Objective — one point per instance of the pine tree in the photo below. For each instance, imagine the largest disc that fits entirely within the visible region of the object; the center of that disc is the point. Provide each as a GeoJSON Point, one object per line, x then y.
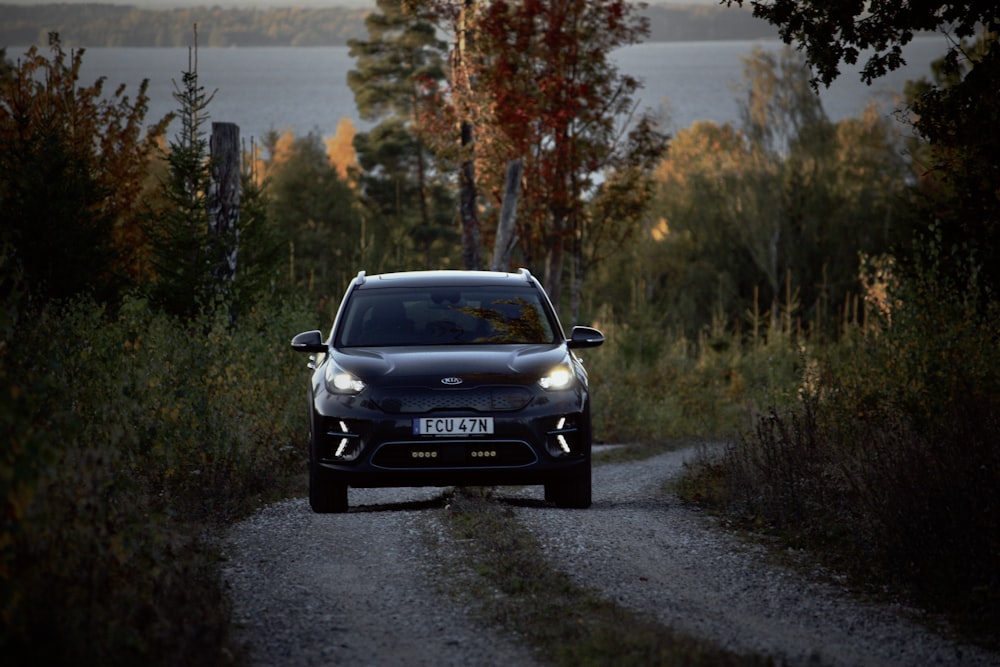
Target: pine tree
{"type": "Point", "coordinates": [315, 212]}
{"type": "Point", "coordinates": [399, 71]}
{"type": "Point", "coordinates": [183, 256]}
{"type": "Point", "coordinates": [186, 254]}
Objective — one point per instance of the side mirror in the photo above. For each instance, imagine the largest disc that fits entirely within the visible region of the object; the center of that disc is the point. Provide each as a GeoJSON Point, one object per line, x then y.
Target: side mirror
{"type": "Point", "coordinates": [585, 337]}
{"type": "Point", "coordinates": [309, 341]}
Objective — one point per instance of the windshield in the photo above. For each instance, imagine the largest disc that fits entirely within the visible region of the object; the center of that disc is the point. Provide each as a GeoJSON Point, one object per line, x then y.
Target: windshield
{"type": "Point", "coordinates": [444, 316]}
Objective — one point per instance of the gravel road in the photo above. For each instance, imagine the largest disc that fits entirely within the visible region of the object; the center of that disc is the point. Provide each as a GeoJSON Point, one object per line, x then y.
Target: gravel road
{"type": "Point", "coordinates": [361, 588]}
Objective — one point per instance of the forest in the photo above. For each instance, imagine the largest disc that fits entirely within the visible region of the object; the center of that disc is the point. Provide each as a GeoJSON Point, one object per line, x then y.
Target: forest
{"type": "Point", "coordinates": [105, 25]}
{"type": "Point", "coordinates": [820, 296]}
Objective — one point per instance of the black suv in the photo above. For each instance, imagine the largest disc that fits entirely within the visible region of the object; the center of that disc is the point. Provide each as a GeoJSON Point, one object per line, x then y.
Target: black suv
{"type": "Point", "coordinates": [448, 378]}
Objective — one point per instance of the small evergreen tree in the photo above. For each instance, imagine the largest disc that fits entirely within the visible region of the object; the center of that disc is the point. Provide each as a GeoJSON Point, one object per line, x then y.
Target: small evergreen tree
{"type": "Point", "coordinates": [182, 249]}
{"type": "Point", "coordinates": [185, 252]}
{"type": "Point", "coordinates": [261, 256]}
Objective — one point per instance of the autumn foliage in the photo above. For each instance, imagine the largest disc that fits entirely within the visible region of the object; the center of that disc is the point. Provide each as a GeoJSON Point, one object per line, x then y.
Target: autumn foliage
{"type": "Point", "coordinates": [73, 162]}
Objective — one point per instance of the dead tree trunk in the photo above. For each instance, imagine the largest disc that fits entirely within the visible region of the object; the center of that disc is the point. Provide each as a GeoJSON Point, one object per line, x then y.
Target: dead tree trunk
{"type": "Point", "coordinates": [468, 205]}
{"type": "Point", "coordinates": [224, 204]}
{"type": "Point", "coordinates": [224, 197]}
{"type": "Point", "coordinates": [468, 211]}
{"type": "Point", "coordinates": [506, 236]}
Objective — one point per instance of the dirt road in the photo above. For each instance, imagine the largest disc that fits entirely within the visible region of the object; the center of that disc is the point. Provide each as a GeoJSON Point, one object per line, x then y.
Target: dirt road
{"type": "Point", "coordinates": [362, 588]}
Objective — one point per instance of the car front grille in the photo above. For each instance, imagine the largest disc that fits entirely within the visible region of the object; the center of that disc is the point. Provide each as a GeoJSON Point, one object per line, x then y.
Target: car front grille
{"type": "Point", "coordinates": [465, 454]}
{"type": "Point", "coordinates": [417, 400]}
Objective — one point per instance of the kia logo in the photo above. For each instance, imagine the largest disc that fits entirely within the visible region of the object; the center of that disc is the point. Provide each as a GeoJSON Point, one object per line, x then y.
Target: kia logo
{"type": "Point", "coordinates": [451, 381]}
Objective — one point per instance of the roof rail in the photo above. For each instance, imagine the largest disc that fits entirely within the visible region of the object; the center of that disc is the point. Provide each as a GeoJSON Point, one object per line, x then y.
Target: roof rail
{"type": "Point", "coordinates": [525, 272]}
{"type": "Point", "coordinates": [360, 280]}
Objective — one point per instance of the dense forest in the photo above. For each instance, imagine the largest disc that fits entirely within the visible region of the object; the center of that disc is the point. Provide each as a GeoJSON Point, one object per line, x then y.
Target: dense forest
{"type": "Point", "coordinates": [820, 295]}
{"type": "Point", "coordinates": [121, 25]}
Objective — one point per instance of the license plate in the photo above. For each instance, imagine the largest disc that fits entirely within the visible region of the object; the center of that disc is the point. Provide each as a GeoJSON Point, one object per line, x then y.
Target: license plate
{"type": "Point", "coordinates": [453, 426]}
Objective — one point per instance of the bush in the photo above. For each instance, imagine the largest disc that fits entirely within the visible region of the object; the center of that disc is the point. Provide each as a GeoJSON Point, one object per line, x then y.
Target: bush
{"type": "Point", "coordinates": [649, 384]}
{"type": "Point", "coordinates": [131, 436]}
{"type": "Point", "coordinates": [888, 468]}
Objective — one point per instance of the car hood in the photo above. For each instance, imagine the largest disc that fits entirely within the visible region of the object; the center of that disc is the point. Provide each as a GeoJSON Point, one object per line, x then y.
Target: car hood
{"type": "Point", "coordinates": [472, 364]}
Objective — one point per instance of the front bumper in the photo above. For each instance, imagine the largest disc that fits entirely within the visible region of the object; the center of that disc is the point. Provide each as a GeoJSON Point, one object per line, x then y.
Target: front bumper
{"type": "Point", "coordinates": [356, 443]}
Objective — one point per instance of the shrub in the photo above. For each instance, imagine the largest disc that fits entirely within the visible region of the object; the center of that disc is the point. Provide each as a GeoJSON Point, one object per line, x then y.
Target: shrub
{"type": "Point", "coordinates": [649, 384]}
{"type": "Point", "coordinates": [889, 468]}
{"type": "Point", "coordinates": [131, 436]}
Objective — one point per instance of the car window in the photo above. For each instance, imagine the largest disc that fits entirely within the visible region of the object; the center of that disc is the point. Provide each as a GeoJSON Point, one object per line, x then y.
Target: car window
{"type": "Point", "coordinates": [444, 316]}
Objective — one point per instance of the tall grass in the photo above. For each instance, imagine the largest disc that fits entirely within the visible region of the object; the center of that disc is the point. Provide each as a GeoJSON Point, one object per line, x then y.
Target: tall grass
{"type": "Point", "coordinates": [131, 434]}
{"type": "Point", "coordinates": [652, 384]}
{"type": "Point", "coordinates": [888, 465]}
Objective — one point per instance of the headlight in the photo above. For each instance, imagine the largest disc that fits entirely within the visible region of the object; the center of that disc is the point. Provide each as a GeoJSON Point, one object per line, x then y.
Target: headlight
{"type": "Point", "coordinates": [560, 377]}
{"type": "Point", "coordinates": [339, 381]}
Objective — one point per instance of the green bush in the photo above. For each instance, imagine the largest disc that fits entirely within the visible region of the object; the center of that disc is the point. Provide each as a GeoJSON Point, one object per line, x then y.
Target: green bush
{"type": "Point", "coordinates": [649, 384]}
{"type": "Point", "coordinates": [131, 435]}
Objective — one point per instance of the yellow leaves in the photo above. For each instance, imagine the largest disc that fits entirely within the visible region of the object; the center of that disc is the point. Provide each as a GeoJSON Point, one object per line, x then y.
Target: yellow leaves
{"type": "Point", "coordinates": [283, 148]}
{"type": "Point", "coordinates": [703, 150]}
{"type": "Point", "coordinates": [660, 230]}
{"type": "Point", "coordinates": [340, 148]}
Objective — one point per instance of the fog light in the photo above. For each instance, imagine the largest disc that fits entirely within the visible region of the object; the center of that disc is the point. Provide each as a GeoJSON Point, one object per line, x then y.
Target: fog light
{"type": "Point", "coordinates": [348, 446]}
{"type": "Point", "coordinates": [558, 443]}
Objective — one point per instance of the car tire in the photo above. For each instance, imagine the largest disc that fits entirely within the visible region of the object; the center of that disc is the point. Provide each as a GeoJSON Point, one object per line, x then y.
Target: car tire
{"type": "Point", "coordinates": [575, 491]}
{"type": "Point", "coordinates": [572, 492]}
{"type": "Point", "coordinates": [325, 495]}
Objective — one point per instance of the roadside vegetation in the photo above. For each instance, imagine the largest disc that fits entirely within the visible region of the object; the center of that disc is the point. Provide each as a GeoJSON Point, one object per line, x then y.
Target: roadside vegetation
{"type": "Point", "coordinates": [884, 467]}
{"type": "Point", "coordinates": [820, 295]}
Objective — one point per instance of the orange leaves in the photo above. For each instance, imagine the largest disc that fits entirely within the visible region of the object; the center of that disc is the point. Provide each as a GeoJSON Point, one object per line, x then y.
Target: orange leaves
{"type": "Point", "coordinates": [281, 151]}
{"type": "Point", "coordinates": [340, 148]}
{"type": "Point", "coordinates": [76, 158]}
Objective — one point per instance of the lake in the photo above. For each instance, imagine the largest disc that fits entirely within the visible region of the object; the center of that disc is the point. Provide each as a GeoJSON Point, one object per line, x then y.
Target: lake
{"type": "Point", "coordinates": [305, 89]}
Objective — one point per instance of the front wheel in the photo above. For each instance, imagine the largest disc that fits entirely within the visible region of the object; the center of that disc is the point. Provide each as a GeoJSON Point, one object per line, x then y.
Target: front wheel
{"type": "Point", "coordinates": [573, 491]}
{"type": "Point", "coordinates": [325, 495]}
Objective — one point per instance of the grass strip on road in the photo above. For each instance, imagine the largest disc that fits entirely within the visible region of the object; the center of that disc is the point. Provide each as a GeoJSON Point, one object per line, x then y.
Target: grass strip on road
{"type": "Point", "coordinates": [513, 585]}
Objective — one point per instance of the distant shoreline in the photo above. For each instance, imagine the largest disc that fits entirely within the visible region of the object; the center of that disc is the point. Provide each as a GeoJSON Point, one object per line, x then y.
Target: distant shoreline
{"type": "Point", "coordinates": [104, 25]}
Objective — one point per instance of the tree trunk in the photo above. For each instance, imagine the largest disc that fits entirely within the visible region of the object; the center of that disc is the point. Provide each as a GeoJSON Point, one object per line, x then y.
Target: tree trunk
{"type": "Point", "coordinates": [467, 174]}
{"type": "Point", "coordinates": [554, 259]}
{"type": "Point", "coordinates": [425, 217]}
{"type": "Point", "coordinates": [224, 202]}
{"type": "Point", "coordinates": [469, 213]}
{"type": "Point", "coordinates": [506, 236]}
{"type": "Point", "coordinates": [577, 281]}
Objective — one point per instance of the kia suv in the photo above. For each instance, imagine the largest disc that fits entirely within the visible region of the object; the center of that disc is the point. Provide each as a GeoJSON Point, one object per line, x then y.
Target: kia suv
{"type": "Point", "coordinates": [448, 378]}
